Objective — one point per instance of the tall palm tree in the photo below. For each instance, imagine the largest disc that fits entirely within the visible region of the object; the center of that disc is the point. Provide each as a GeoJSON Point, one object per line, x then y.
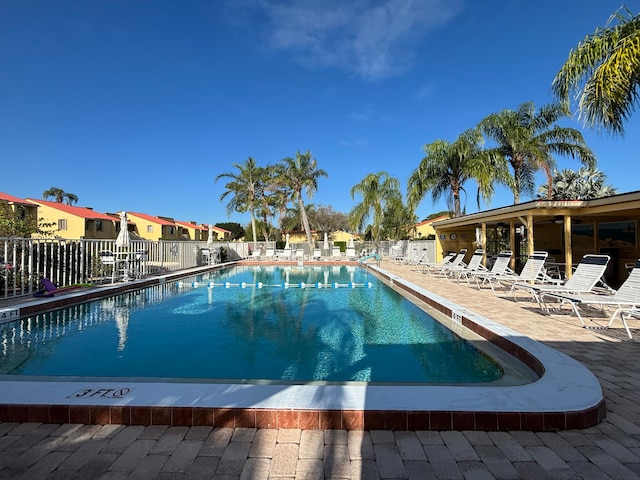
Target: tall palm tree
{"type": "Point", "coordinates": [604, 70]}
{"type": "Point", "coordinates": [376, 190]}
{"type": "Point", "coordinates": [300, 175]}
{"type": "Point", "coordinates": [584, 184]}
{"type": "Point", "coordinates": [527, 138]}
{"type": "Point", "coordinates": [246, 189]}
{"type": "Point", "coordinates": [447, 166]}
{"type": "Point", "coordinates": [60, 195]}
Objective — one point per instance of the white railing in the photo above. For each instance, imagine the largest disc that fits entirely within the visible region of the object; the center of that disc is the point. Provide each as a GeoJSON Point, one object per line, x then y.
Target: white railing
{"type": "Point", "coordinates": [25, 261]}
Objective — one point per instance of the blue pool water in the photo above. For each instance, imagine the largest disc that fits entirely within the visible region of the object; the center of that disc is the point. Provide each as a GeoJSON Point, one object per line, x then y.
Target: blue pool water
{"type": "Point", "coordinates": [297, 324]}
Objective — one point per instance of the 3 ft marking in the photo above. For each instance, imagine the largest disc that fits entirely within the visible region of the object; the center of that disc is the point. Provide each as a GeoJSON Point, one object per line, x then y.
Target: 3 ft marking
{"type": "Point", "coordinates": [9, 313]}
{"type": "Point", "coordinates": [456, 317]}
{"type": "Point", "coordinates": [101, 393]}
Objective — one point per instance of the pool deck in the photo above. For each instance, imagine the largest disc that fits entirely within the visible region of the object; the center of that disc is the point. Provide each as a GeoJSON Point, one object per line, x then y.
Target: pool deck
{"type": "Point", "coordinates": [610, 449]}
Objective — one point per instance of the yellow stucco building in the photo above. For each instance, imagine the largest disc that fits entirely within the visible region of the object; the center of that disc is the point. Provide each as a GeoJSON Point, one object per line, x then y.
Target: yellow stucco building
{"type": "Point", "coordinates": [149, 227]}
{"type": "Point", "coordinates": [20, 208]}
{"type": "Point", "coordinates": [192, 231]}
{"type": "Point", "coordinates": [75, 222]}
{"type": "Point", "coordinates": [425, 230]}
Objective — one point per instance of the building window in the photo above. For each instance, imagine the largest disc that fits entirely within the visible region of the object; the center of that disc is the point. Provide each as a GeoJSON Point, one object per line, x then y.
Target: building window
{"type": "Point", "coordinates": [98, 225]}
{"type": "Point", "coordinates": [62, 224]}
{"type": "Point", "coordinates": [149, 228]}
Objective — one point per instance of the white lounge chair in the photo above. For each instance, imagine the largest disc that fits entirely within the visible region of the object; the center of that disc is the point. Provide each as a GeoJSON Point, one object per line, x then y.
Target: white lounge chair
{"type": "Point", "coordinates": [424, 265]}
{"type": "Point", "coordinates": [532, 271]}
{"type": "Point", "coordinates": [626, 300]}
{"type": "Point", "coordinates": [474, 266]}
{"type": "Point", "coordinates": [418, 258]}
{"type": "Point", "coordinates": [587, 275]}
{"type": "Point", "coordinates": [456, 261]}
{"type": "Point", "coordinates": [350, 254]}
{"type": "Point", "coordinates": [335, 253]}
{"type": "Point", "coordinates": [500, 267]}
{"type": "Point", "coordinates": [270, 254]}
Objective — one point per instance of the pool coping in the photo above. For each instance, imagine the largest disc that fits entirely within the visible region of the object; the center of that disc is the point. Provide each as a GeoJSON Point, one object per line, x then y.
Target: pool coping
{"type": "Point", "coordinates": [566, 396]}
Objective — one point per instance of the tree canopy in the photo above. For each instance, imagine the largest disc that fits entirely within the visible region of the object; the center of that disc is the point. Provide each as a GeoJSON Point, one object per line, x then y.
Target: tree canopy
{"type": "Point", "coordinates": [59, 195]}
{"type": "Point", "coordinates": [603, 71]}
{"type": "Point", "coordinates": [528, 138]}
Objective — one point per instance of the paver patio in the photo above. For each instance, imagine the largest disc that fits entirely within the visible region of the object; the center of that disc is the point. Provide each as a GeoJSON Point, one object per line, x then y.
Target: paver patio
{"type": "Point", "coordinates": [608, 450]}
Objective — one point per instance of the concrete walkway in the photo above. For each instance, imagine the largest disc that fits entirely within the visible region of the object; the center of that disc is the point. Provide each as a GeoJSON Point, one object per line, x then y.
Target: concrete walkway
{"type": "Point", "coordinates": [609, 450]}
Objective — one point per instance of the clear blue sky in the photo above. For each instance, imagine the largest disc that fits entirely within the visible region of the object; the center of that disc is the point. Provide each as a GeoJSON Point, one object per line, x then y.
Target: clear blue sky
{"type": "Point", "coordinates": [139, 105]}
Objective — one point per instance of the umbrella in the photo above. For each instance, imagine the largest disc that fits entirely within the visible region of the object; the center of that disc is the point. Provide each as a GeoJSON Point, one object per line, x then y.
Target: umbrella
{"type": "Point", "coordinates": [123, 239]}
{"type": "Point", "coordinates": [351, 244]}
{"type": "Point", "coordinates": [478, 237]}
{"type": "Point", "coordinates": [286, 245]}
{"type": "Point", "coordinates": [325, 246]}
{"type": "Point", "coordinates": [210, 237]}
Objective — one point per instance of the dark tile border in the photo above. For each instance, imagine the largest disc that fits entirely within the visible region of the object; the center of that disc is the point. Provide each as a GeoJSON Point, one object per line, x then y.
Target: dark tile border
{"type": "Point", "coordinates": [304, 419]}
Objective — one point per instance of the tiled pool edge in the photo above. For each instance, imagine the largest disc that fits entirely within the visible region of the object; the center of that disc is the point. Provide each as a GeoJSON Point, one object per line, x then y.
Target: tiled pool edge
{"type": "Point", "coordinates": [406, 415]}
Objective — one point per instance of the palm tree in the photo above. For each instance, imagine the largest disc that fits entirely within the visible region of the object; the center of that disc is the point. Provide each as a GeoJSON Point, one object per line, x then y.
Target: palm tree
{"type": "Point", "coordinates": [398, 219]}
{"type": "Point", "coordinates": [584, 184]}
{"type": "Point", "coordinates": [604, 71]}
{"type": "Point", "coordinates": [297, 176]}
{"type": "Point", "coordinates": [60, 195]}
{"type": "Point", "coordinates": [246, 188]}
{"type": "Point", "coordinates": [376, 190]}
{"type": "Point", "coordinates": [448, 166]}
{"type": "Point", "coordinates": [527, 138]}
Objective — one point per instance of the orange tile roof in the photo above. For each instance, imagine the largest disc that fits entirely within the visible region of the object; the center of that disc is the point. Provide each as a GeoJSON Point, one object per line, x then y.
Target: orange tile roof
{"type": "Point", "coordinates": [10, 198]}
{"type": "Point", "coordinates": [441, 217]}
{"type": "Point", "coordinates": [81, 212]}
{"type": "Point", "coordinates": [191, 225]}
{"type": "Point", "coordinates": [151, 218]}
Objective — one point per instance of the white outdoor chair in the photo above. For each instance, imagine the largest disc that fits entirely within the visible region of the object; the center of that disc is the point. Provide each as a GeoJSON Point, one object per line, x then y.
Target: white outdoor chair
{"type": "Point", "coordinates": [107, 264]}
{"type": "Point", "coordinates": [500, 267]}
{"type": "Point", "coordinates": [588, 274]}
{"type": "Point", "coordinates": [626, 300]}
{"type": "Point", "coordinates": [456, 261]}
{"type": "Point", "coordinates": [532, 271]}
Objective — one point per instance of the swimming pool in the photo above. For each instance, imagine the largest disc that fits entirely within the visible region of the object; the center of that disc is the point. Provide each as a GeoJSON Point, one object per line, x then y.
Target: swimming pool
{"type": "Point", "coordinates": [253, 324]}
{"type": "Point", "coordinates": [566, 395]}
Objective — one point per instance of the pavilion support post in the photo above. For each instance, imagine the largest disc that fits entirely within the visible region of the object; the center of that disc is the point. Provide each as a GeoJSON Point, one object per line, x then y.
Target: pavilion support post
{"type": "Point", "coordinates": [512, 244]}
{"type": "Point", "coordinates": [484, 241]}
{"type": "Point", "coordinates": [530, 238]}
{"type": "Point", "coordinates": [568, 254]}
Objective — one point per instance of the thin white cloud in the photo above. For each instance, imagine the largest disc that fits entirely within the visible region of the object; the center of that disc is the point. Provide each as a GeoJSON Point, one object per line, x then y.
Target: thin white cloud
{"type": "Point", "coordinates": [355, 143]}
{"type": "Point", "coordinates": [360, 116]}
{"type": "Point", "coordinates": [425, 92]}
{"type": "Point", "coordinates": [363, 115]}
{"type": "Point", "coordinates": [368, 38]}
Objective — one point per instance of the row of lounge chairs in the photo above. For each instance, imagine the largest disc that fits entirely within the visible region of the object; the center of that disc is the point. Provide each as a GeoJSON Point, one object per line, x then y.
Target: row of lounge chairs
{"type": "Point", "coordinates": [584, 289]}
{"type": "Point", "coordinates": [270, 254]}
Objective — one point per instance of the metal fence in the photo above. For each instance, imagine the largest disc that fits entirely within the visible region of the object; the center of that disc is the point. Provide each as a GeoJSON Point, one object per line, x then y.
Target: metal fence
{"type": "Point", "coordinates": [25, 261]}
